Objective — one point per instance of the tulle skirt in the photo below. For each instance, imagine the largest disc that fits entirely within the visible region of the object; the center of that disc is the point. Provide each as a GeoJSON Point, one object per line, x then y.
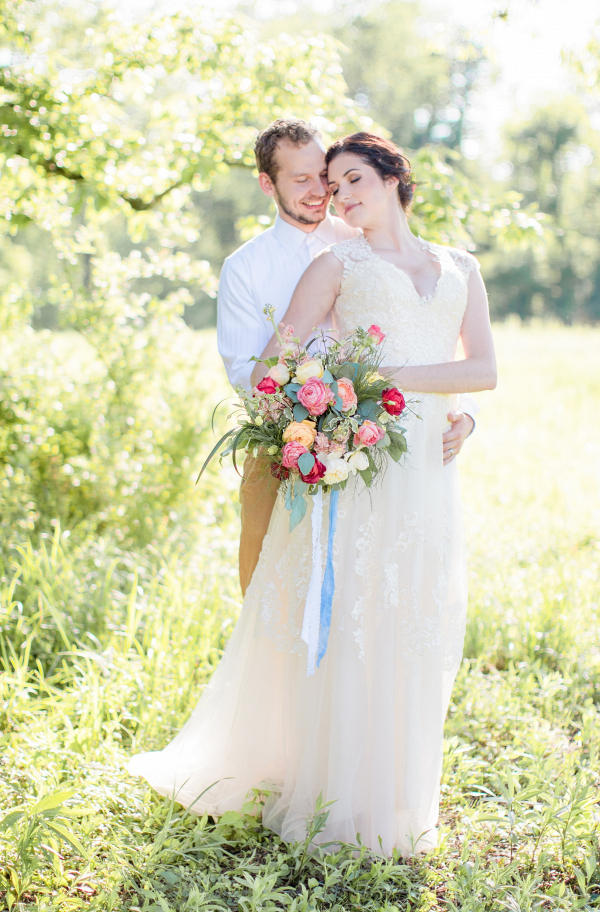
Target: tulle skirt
{"type": "Point", "coordinates": [365, 732]}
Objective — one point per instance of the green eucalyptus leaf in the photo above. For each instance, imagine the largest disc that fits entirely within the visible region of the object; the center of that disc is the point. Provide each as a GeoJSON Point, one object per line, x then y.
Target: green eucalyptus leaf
{"type": "Point", "coordinates": [306, 462]}
{"type": "Point", "coordinates": [298, 511]}
{"type": "Point", "coordinates": [349, 370]}
{"type": "Point", "coordinates": [300, 412]}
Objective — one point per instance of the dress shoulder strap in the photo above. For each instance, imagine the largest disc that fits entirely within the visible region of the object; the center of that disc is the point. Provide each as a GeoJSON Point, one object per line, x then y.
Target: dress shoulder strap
{"type": "Point", "coordinates": [352, 251]}
{"type": "Point", "coordinates": [463, 260]}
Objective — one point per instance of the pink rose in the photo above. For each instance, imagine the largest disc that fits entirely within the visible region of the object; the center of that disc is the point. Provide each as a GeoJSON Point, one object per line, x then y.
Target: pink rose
{"type": "Point", "coordinates": [291, 453]}
{"type": "Point", "coordinates": [375, 333]}
{"type": "Point", "coordinates": [267, 385]}
{"type": "Point", "coordinates": [368, 434]}
{"type": "Point", "coordinates": [347, 394]}
{"type": "Point", "coordinates": [315, 396]}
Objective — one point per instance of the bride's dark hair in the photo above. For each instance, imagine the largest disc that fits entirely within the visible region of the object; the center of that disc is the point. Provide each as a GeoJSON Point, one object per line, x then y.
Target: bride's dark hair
{"type": "Point", "coordinates": [383, 156]}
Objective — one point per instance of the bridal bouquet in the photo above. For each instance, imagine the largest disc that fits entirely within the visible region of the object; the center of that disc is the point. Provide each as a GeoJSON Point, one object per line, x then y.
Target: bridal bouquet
{"type": "Point", "coordinates": [320, 416]}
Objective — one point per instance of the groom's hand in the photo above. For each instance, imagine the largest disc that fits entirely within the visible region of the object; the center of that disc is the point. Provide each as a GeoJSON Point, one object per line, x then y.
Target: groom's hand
{"type": "Point", "coordinates": [461, 426]}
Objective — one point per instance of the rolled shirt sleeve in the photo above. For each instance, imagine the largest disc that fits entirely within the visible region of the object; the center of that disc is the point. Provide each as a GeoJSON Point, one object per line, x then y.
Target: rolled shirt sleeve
{"type": "Point", "coordinates": [468, 404]}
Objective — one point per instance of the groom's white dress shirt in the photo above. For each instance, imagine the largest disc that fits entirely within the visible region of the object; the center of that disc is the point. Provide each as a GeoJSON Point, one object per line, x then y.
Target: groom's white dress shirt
{"type": "Point", "coordinates": [266, 270]}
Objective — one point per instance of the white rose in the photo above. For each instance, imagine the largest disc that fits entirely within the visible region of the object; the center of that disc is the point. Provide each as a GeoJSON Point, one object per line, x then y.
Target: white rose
{"type": "Point", "coordinates": [279, 373]}
{"type": "Point", "coordinates": [358, 461]}
{"type": "Point", "coordinates": [310, 369]}
{"type": "Point", "coordinates": [337, 470]}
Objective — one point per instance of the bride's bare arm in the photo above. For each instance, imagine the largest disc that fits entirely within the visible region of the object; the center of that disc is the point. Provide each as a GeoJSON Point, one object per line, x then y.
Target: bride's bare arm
{"type": "Point", "coordinates": [478, 369]}
{"type": "Point", "coordinates": [312, 300]}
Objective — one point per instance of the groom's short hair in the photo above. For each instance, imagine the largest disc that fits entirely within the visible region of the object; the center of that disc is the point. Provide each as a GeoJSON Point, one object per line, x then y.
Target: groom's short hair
{"type": "Point", "coordinates": [292, 130]}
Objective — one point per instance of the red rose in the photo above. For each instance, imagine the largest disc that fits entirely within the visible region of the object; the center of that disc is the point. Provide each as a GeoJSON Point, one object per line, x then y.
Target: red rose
{"type": "Point", "coordinates": [279, 471]}
{"type": "Point", "coordinates": [315, 474]}
{"type": "Point", "coordinates": [267, 385]}
{"type": "Point", "coordinates": [393, 401]}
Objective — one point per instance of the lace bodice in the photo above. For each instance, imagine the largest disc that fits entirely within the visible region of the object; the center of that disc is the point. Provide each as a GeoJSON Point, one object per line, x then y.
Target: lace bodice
{"type": "Point", "coordinates": [419, 330]}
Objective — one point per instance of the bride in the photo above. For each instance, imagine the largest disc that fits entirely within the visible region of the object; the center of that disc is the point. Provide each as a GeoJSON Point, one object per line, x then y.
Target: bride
{"type": "Point", "coordinates": [366, 730]}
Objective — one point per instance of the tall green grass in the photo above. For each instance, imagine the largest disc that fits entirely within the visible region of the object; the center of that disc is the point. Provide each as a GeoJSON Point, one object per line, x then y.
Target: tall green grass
{"type": "Point", "coordinates": [105, 650]}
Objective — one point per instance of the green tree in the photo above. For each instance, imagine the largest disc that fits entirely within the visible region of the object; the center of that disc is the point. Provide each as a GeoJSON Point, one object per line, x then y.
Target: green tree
{"type": "Point", "coordinates": [552, 160]}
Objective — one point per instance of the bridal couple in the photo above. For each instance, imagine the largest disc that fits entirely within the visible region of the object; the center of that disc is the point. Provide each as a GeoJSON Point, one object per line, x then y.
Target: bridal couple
{"type": "Point", "coordinates": [366, 730]}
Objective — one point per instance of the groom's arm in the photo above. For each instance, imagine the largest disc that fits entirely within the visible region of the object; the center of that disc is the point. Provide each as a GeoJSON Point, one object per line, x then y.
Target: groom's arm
{"type": "Point", "coordinates": [241, 330]}
{"type": "Point", "coordinates": [468, 405]}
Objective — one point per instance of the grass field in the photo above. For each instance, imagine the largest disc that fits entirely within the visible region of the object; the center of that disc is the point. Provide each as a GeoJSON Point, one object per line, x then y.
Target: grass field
{"type": "Point", "coordinates": [521, 799]}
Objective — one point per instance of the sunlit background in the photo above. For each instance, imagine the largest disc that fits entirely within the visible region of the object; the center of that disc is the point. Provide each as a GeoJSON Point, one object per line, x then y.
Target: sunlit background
{"type": "Point", "coordinates": [126, 177]}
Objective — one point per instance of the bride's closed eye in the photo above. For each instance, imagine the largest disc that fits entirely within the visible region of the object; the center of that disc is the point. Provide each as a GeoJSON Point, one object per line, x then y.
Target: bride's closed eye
{"type": "Point", "coordinates": [352, 181]}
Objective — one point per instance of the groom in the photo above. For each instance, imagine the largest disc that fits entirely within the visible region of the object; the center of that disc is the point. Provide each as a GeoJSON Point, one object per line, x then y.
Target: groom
{"type": "Point", "coordinates": [290, 157]}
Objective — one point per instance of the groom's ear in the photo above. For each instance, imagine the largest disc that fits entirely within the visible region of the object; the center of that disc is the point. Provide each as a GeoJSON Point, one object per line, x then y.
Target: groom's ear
{"type": "Point", "coordinates": [266, 184]}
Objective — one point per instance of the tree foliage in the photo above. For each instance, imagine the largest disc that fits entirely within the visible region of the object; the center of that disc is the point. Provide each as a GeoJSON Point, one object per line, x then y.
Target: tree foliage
{"type": "Point", "coordinates": [552, 159]}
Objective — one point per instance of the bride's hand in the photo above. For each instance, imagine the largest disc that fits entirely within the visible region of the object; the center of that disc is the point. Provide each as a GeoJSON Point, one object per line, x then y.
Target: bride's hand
{"type": "Point", "coordinates": [461, 426]}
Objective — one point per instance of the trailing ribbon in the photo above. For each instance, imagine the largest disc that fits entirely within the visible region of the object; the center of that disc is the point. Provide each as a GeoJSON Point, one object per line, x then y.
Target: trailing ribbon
{"type": "Point", "coordinates": [310, 623]}
{"type": "Point", "coordinates": [328, 580]}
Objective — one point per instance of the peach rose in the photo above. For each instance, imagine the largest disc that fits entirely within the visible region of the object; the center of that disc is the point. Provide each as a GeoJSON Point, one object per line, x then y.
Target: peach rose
{"type": "Point", "coordinates": [279, 373]}
{"type": "Point", "coordinates": [368, 434]}
{"type": "Point", "coordinates": [291, 453]}
{"type": "Point", "coordinates": [315, 396]}
{"type": "Point", "coordinates": [347, 394]}
{"type": "Point", "coordinates": [303, 432]}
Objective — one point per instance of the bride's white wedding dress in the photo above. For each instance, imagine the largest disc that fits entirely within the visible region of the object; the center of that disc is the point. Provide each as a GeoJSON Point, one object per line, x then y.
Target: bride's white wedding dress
{"type": "Point", "coordinates": [366, 729]}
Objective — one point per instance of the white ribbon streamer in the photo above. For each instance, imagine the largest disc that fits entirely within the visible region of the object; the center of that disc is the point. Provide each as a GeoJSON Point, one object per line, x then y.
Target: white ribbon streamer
{"type": "Point", "coordinates": [312, 608]}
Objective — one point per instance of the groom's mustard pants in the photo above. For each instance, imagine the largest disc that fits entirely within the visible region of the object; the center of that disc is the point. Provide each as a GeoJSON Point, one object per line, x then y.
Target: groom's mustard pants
{"type": "Point", "coordinates": [258, 493]}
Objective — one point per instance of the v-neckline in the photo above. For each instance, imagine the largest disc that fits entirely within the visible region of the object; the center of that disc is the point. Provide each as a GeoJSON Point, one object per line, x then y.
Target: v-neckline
{"type": "Point", "coordinates": [423, 299]}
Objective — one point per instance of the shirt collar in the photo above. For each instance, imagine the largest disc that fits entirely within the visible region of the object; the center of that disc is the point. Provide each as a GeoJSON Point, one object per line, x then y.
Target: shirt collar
{"type": "Point", "coordinates": [292, 238]}
{"type": "Point", "coordinates": [325, 231]}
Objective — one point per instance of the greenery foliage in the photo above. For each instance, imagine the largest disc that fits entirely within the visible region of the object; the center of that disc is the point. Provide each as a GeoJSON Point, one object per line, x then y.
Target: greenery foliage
{"type": "Point", "coordinates": [104, 650]}
{"type": "Point", "coordinates": [118, 578]}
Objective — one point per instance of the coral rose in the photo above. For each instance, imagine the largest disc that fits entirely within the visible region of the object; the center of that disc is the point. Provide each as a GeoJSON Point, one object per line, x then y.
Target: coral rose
{"type": "Point", "coordinates": [368, 434]}
{"type": "Point", "coordinates": [315, 396]}
{"type": "Point", "coordinates": [393, 401]}
{"type": "Point", "coordinates": [315, 474]}
{"type": "Point", "coordinates": [291, 453]}
{"type": "Point", "coordinates": [303, 432]}
{"type": "Point", "coordinates": [279, 373]}
{"type": "Point", "coordinates": [267, 385]}
{"type": "Point", "coordinates": [312, 368]}
{"type": "Point", "coordinates": [347, 394]}
{"type": "Point", "coordinates": [376, 334]}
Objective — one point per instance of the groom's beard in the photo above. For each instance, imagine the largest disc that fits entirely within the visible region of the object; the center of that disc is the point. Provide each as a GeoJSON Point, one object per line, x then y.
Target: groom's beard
{"type": "Point", "coordinates": [301, 217]}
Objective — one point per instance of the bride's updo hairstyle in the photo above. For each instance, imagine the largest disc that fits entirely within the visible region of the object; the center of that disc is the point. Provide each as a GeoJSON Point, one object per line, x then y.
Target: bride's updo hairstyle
{"type": "Point", "coordinates": [383, 156]}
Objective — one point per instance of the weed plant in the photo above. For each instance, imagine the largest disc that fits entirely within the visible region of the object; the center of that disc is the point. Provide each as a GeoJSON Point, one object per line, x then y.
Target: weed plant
{"type": "Point", "coordinates": [106, 646]}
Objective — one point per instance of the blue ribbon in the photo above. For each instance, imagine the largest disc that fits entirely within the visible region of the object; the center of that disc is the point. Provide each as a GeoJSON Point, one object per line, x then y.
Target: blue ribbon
{"type": "Point", "coordinates": [328, 587]}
